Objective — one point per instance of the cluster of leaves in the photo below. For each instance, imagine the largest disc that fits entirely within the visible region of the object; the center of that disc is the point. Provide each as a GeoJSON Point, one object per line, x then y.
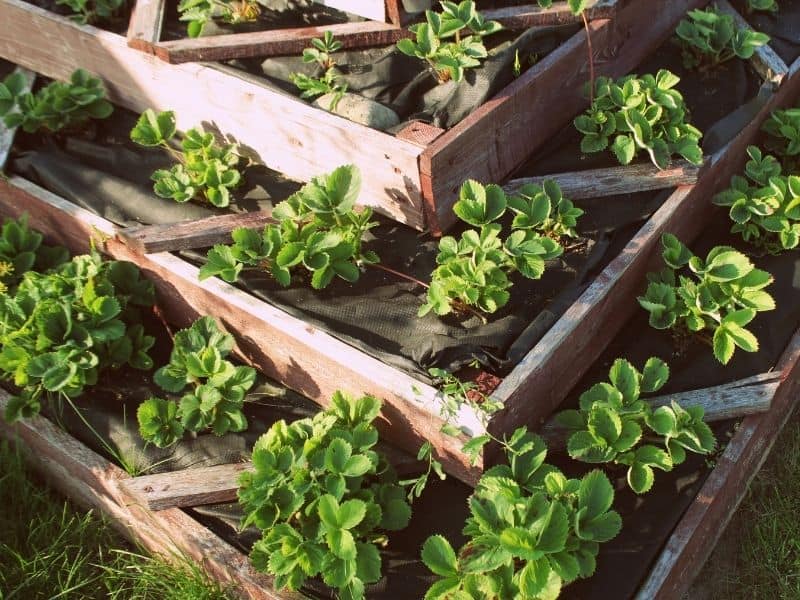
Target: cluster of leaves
{"type": "Point", "coordinates": [457, 394]}
{"type": "Point", "coordinates": [783, 128]}
{"type": "Point", "coordinates": [762, 5]}
{"type": "Point", "coordinates": [327, 82]}
{"type": "Point", "coordinates": [213, 388]}
{"type": "Point", "coordinates": [633, 114]}
{"type": "Point", "coordinates": [611, 423]}
{"type": "Point", "coordinates": [92, 11]}
{"type": "Point", "coordinates": [317, 228]}
{"type": "Point", "coordinates": [323, 498]}
{"type": "Point", "coordinates": [199, 12]}
{"type": "Point", "coordinates": [205, 169]}
{"type": "Point", "coordinates": [449, 59]}
{"type": "Point", "coordinates": [722, 293]}
{"type": "Point", "coordinates": [575, 6]}
{"type": "Point", "coordinates": [22, 250]}
{"type": "Point", "coordinates": [474, 270]}
{"type": "Point", "coordinates": [62, 328]}
{"type": "Point", "coordinates": [54, 107]}
{"type": "Point", "coordinates": [765, 212]}
{"type": "Point", "coordinates": [710, 37]}
{"type": "Point", "coordinates": [531, 530]}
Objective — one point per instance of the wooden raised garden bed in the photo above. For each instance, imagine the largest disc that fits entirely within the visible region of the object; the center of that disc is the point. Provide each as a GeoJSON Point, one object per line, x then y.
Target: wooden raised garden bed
{"type": "Point", "coordinates": [412, 177]}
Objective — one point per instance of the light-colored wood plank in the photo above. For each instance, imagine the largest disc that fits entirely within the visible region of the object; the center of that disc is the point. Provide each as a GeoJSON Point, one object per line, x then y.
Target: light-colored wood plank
{"type": "Point", "coordinates": [93, 482]}
{"type": "Point", "coordinates": [765, 60]}
{"type": "Point", "coordinates": [276, 42]}
{"type": "Point", "coordinates": [524, 16]}
{"type": "Point", "coordinates": [374, 10]}
{"type": "Point", "coordinates": [144, 28]}
{"type": "Point", "coordinates": [283, 132]}
{"type": "Point", "coordinates": [284, 347]}
{"type": "Point", "coordinates": [7, 133]}
{"type": "Point", "coordinates": [595, 183]}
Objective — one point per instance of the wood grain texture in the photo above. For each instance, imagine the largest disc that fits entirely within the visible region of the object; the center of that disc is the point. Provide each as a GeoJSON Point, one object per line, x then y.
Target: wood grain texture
{"type": "Point", "coordinates": [277, 42]}
{"type": "Point", "coordinates": [188, 235]}
{"type": "Point", "coordinates": [532, 15]}
{"type": "Point", "coordinates": [144, 29]}
{"type": "Point", "coordinates": [7, 133]}
{"type": "Point", "coordinates": [518, 120]}
{"type": "Point", "coordinates": [93, 482]}
{"type": "Point", "coordinates": [765, 61]}
{"type": "Point", "coordinates": [419, 133]}
{"type": "Point", "coordinates": [559, 359]}
{"type": "Point", "coordinates": [595, 183]}
{"type": "Point", "coordinates": [284, 347]}
{"type": "Point", "coordinates": [282, 132]}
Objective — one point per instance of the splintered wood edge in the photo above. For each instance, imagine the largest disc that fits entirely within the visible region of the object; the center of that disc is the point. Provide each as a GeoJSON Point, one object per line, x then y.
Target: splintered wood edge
{"type": "Point", "coordinates": [92, 481]}
{"type": "Point", "coordinates": [533, 15]}
{"type": "Point", "coordinates": [765, 60]}
{"type": "Point", "coordinates": [144, 28]}
{"type": "Point", "coordinates": [188, 235]}
{"type": "Point", "coordinates": [7, 133]}
{"type": "Point", "coordinates": [612, 181]}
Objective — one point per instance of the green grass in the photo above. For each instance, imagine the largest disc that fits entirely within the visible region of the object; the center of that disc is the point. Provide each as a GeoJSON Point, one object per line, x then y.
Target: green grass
{"type": "Point", "coordinates": [758, 556]}
{"type": "Point", "coordinates": [49, 549]}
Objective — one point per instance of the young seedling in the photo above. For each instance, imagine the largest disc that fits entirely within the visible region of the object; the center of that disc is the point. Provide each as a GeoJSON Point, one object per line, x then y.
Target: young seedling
{"type": "Point", "coordinates": [318, 229]}
{"type": "Point", "coordinates": [56, 106]}
{"type": "Point", "coordinates": [213, 388]}
{"type": "Point", "coordinates": [722, 293]}
{"type": "Point", "coordinates": [633, 114]}
{"type": "Point", "coordinates": [205, 170]}
{"type": "Point", "coordinates": [448, 60]}
{"type": "Point", "coordinates": [93, 11]}
{"type": "Point", "coordinates": [473, 270]}
{"type": "Point", "coordinates": [531, 530]}
{"type": "Point", "coordinates": [783, 129]}
{"type": "Point", "coordinates": [710, 37]}
{"type": "Point", "coordinates": [327, 82]}
{"type": "Point", "coordinates": [323, 498]}
{"type": "Point", "coordinates": [199, 12]}
{"type": "Point", "coordinates": [764, 205]}
{"type": "Point", "coordinates": [613, 423]}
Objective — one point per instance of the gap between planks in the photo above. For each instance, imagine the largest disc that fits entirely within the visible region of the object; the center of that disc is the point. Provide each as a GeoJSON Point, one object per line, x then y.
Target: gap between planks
{"type": "Point", "coordinates": [211, 485]}
{"type": "Point", "coordinates": [7, 133]}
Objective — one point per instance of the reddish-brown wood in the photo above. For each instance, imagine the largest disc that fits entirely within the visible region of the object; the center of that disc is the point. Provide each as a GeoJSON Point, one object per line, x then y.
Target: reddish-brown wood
{"type": "Point", "coordinates": [144, 28]}
{"type": "Point", "coordinates": [419, 133]}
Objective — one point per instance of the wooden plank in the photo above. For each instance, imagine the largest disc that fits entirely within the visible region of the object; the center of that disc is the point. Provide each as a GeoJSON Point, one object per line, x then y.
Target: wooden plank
{"type": "Point", "coordinates": [311, 141]}
{"type": "Point", "coordinates": [93, 482]}
{"type": "Point", "coordinates": [553, 367]}
{"type": "Point", "coordinates": [539, 103]}
{"type": "Point", "coordinates": [532, 15]}
{"type": "Point", "coordinates": [369, 9]}
{"type": "Point", "coordinates": [144, 29]}
{"type": "Point", "coordinates": [765, 61]}
{"type": "Point", "coordinates": [276, 42]}
{"type": "Point", "coordinates": [595, 183]}
{"type": "Point", "coordinates": [7, 133]}
{"type": "Point", "coordinates": [419, 133]}
{"type": "Point", "coordinates": [191, 234]}
{"type": "Point", "coordinates": [705, 520]}
{"type": "Point", "coordinates": [284, 347]}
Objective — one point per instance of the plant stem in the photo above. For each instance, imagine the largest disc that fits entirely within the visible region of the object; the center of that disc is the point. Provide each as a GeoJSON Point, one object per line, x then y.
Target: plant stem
{"type": "Point", "coordinates": [399, 274]}
{"type": "Point", "coordinates": [591, 57]}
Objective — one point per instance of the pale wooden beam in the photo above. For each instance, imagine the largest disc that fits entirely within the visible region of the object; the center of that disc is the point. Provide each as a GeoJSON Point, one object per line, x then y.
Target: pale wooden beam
{"type": "Point", "coordinates": [7, 133]}
{"type": "Point", "coordinates": [144, 29]}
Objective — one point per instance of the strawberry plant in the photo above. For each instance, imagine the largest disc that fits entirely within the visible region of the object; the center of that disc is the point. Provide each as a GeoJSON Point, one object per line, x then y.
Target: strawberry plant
{"type": "Point", "coordinates": [531, 530]}
{"type": "Point", "coordinates": [447, 59]}
{"type": "Point", "coordinates": [320, 54]}
{"type": "Point", "coordinates": [783, 128]}
{"type": "Point", "coordinates": [61, 329]}
{"type": "Point", "coordinates": [640, 113]}
{"type": "Point", "coordinates": [56, 106]}
{"type": "Point", "coordinates": [213, 388]}
{"type": "Point", "coordinates": [22, 250]}
{"type": "Point", "coordinates": [205, 170]}
{"type": "Point", "coordinates": [710, 37]}
{"type": "Point", "coordinates": [613, 422]}
{"type": "Point", "coordinates": [722, 293]}
{"type": "Point", "coordinates": [762, 5]}
{"type": "Point", "coordinates": [318, 230]}
{"type": "Point", "coordinates": [196, 13]}
{"type": "Point", "coordinates": [92, 11]}
{"type": "Point", "coordinates": [473, 270]}
{"type": "Point", "coordinates": [323, 498]}
{"type": "Point", "coordinates": [765, 205]}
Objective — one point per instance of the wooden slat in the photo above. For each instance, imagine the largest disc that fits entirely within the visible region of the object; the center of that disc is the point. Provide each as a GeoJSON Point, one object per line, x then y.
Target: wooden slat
{"type": "Point", "coordinates": [277, 42]}
{"type": "Point", "coordinates": [510, 126]}
{"type": "Point", "coordinates": [144, 29]}
{"type": "Point", "coordinates": [285, 133]}
{"type": "Point", "coordinates": [93, 482]}
{"type": "Point", "coordinates": [369, 9]}
{"type": "Point", "coordinates": [595, 183]}
{"type": "Point", "coordinates": [706, 518]}
{"type": "Point", "coordinates": [191, 234]}
{"type": "Point", "coordinates": [284, 347]}
{"type": "Point", "coordinates": [765, 60]}
{"type": "Point", "coordinates": [549, 370]}
{"type": "Point", "coordinates": [7, 133]}
{"type": "Point", "coordinates": [419, 133]}
{"type": "Point", "coordinates": [532, 15]}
